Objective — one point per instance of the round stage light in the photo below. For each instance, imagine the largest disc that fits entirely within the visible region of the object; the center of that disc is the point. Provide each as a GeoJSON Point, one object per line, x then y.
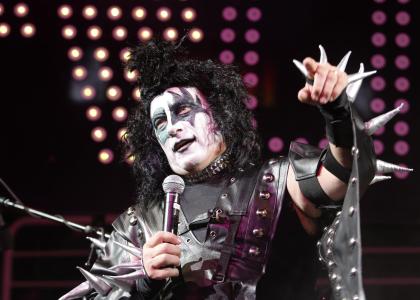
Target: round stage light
{"type": "Point", "coordinates": [105, 156]}
{"type": "Point", "coordinates": [145, 34]}
{"type": "Point", "coordinates": [89, 12]}
{"type": "Point", "coordinates": [28, 30]}
{"type": "Point", "coordinates": [4, 29]}
{"type": "Point", "coordinates": [121, 133]}
{"type": "Point", "coordinates": [130, 76]}
{"type": "Point", "coordinates": [406, 105]}
{"type": "Point", "coordinates": [101, 54]}
{"type": "Point", "coordinates": [113, 93]}
{"type": "Point", "coordinates": [188, 14]}
{"type": "Point", "coordinates": [119, 114]}
{"type": "Point", "coordinates": [136, 94]}
{"type": "Point", "coordinates": [275, 144]}
{"type": "Point", "coordinates": [229, 13]}
{"type": "Point", "coordinates": [79, 73]}
{"type": "Point", "coordinates": [196, 35]}
{"type": "Point", "coordinates": [402, 62]}
{"type": "Point", "coordinates": [251, 102]}
{"type": "Point", "coordinates": [114, 13]}
{"type": "Point", "coordinates": [125, 54]}
{"type": "Point", "coordinates": [65, 11]}
{"type": "Point", "coordinates": [378, 61]}
{"type": "Point", "coordinates": [252, 36]}
{"type": "Point", "coordinates": [105, 73]}
{"type": "Point", "coordinates": [227, 35]}
{"type": "Point", "coordinates": [377, 105]}
{"type": "Point", "coordinates": [402, 40]}
{"type": "Point", "coordinates": [69, 32]}
{"type": "Point", "coordinates": [251, 58]}
{"type": "Point", "coordinates": [163, 14]}
{"type": "Point", "coordinates": [378, 83]}
{"type": "Point", "coordinates": [21, 10]}
{"type": "Point", "coordinates": [93, 113]}
{"type": "Point", "coordinates": [403, 18]}
{"type": "Point", "coordinates": [1, 9]}
{"type": "Point", "coordinates": [75, 53]}
{"type": "Point", "coordinates": [251, 80]}
{"type": "Point", "coordinates": [88, 92]}
{"type": "Point", "coordinates": [254, 14]}
{"type": "Point", "coordinates": [379, 17]}
{"type": "Point", "coordinates": [378, 39]}
{"type": "Point", "coordinates": [130, 159]}
{"type": "Point", "coordinates": [226, 57]}
{"type": "Point", "coordinates": [98, 134]}
{"type": "Point", "coordinates": [138, 13]}
{"type": "Point", "coordinates": [170, 34]}
{"type": "Point", "coordinates": [119, 33]}
{"type": "Point", "coordinates": [94, 32]}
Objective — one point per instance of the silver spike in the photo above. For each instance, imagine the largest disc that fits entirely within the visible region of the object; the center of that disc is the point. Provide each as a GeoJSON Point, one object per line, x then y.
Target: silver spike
{"type": "Point", "coordinates": [374, 124]}
{"type": "Point", "coordinates": [133, 250]}
{"type": "Point", "coordinates": [301, 67]}
{"type": "Point", "coordinates": [353, 88]}
{"type": "Point", "coordinates": [385, 167]}
{"type": "Point", "coordinates": [98, 243]}
{"type": "Point", "coordinates": [343, 63]}
{"type": "Point", "coordinates": [323, 55]}
{"type": "Point", "coordinates": [379, 178]}
{"type": "Point", "coordinates": [78, 292]}
{"type": "Point", "coordinates": [358, 76]}
{"type": "Point", "coordinates": [96, 282]}
{"type": "Point", "coordinates": [131, 276]}
{"type": "Point", "coordinates": [123, 268]}
{"type": "Point", "coordinates": [119, 283]}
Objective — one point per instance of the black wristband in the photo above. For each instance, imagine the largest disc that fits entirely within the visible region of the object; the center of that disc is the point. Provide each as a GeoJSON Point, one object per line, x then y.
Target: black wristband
{"type": "Point", "coordinates": [332, 165]}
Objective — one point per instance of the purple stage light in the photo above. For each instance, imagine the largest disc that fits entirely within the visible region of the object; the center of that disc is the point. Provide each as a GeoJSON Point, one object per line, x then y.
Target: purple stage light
{"type": "Point", "coordinates": [401, 128]}
{"type": "Point", "coordinates": [378, 39]}
{"type": "Point", "coordinates": [275, 144]}
{"type": "Point", "coordinates": [323, 143]}
{"type": "Point", "coordinates": [250, 80]}
{"type": "Point", "coordinates": [226, 57]}
{"type": "Point", "coordinates": [402, 62]}
{"type": "Point", "coordinates": [403, 18]}
{"type": "Point", "coordinates": [377, 105]}
{"type": "Point", "coordinates": [4, 29]}
{"type": "Point", "coordinates": [379, 1]}
{"type": "Point", "coordinates": [229, 13]}
{"type": "Point", "coordinates": [252, 36]}
{"type": "Point", "coordinates": [130, 76]}
{"type": "Point", "coordinates": [378, 83]}
{"type": "Point", "coordinates": [402, 175]}
{"type": "Point", "coordinates": [402, 84]}
{"type": "Point", "coordinates": [251, 102]}
{"type": "Point", "coordinates": [121, 133]}
{"type": "Point", "coordinates": [65, 11]}
{"type": "Point", "coordinates": [251, 58]}
{"type": "Point", "coordinates": [406, 106]}
{"type": "Point", "coordinates": [1, 9]}
{"type": "Point", "coordinates": [378, 146]}
{"type": "Point", "coordinates": [403, 1]}
{"type": "Point", "coordinates": [136, 94]}
{"type": "Point", "coordinates": [301, 140]}
{"type": "Point", "coordinates": [379, 131]}
{"type": "Point", "coordinates": [227, 35]}
{"type": "Point", "coordinates": [253, 14]}
{"type": "Point", "coordinates": [124, 54]}
{"type": "Point", "coordinates": [379, 17]}
{"type": "Point", "coordinates": [402, 40]}
{"type": "Point", "coordinates": [401, 148]}
{"type": "Point", "coordinates": [378, 61]}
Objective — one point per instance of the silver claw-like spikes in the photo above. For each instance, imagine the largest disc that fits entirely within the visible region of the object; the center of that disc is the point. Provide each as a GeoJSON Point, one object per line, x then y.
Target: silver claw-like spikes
{"type": "Point", "coordinates": [301, 68]}
{"type": "Point", "coordinates": [96, 282]}
{"type": "Point", "coordinates": [343, 63]}
{"type": "Point", "coordinates": [353, 88]}
{"type": "Point", "coordinates": [323, 59]}
{"type": "Point", "coordinates": [119, 283]}
{"type": "Point", "coordinates": [98, 243]}
{"type": "Point", "coordinates": [130, 276]}
{"type": "Point", "coordinates": [359, 76]}
{"type": "Point", "coordinates": [133, 250]}
{"type": "Point", "coordinates": [374, 124]}
{"type": "Point", "coordinates": [379, 178]}
{"type": "Point", "coordinates": [384, 167]}
{"type": "Point", "coordinates": [78, 292]}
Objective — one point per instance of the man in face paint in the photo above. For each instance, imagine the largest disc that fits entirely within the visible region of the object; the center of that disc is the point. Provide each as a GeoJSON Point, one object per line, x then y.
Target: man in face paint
{"type": "Point", "coordinates": [185, 128]}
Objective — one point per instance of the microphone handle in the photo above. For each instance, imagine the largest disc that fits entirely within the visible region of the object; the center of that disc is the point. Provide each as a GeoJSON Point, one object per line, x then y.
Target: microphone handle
{"type": "Point", "coordinates": [171, 217]}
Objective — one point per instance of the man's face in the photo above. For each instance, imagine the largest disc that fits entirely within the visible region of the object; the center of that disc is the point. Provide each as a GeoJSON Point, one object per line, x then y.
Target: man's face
{"type": "Point", "coordinates": [185, 129]}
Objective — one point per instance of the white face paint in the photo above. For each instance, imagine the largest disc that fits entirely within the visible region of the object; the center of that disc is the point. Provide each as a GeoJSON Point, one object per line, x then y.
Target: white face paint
{"type": "Point", "coordinates": [185, 129]}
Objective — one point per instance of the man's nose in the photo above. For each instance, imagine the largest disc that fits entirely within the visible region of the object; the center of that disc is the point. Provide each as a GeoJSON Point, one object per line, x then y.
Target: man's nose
{"type": "Point", "coordinates": [174, 129]}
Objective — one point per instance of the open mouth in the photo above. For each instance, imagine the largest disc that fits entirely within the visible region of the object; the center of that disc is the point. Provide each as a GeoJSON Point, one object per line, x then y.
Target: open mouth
{"type": "Point", "coordinates": [183, 144]}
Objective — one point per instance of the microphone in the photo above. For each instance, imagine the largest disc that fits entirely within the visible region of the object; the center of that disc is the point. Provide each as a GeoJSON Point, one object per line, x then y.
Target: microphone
{"type": "Point", "coordinates": [173, 186]}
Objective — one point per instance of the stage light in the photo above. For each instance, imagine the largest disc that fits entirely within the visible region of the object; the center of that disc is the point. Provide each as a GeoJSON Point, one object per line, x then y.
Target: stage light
{"type": "Point", "coordinates": [119, 114]}
{"type": "Point", "coordinates": [406, 105]}
{"type": "Point", "coordinates": [401, 128]}
{"type": "Point", "coordinates": [88, 92]}
{"type": "Point", "coordinates": [378, 61]}
{"type": "Point", "coordinates": [378, 146]}
{"type": "Point", "coordinates": [402, 84]}
{"type": "Point", "coordinates": [402, 62]}
{"type": "Point", "coordinates": [275, 144]}
{"type": "Point", "coordinates": [94, 32]}
{"type": "Point", "coordinates": [93, 113]}
{"type": "Point", "coordinates": [402, 175]}
{"type": "Point", "coordinates": [130, 76]}
{"type": "Point", "coordinates": [130, 159]}
{"type": "Point", "coordinates": [89, 12]}
{"type": "Point", "coordinates": [377, 105]}
{"type": "Point", "coordinates": [136, 94]}
{"type": "Point", "coordinates": [98, 134]}
{"type": "Point", "coordinates": [101, 54]}
{"type": "Point", "coordinates": [403, 18]}
{"type": "Point", "coordinates": [402, 40]}
{"type": "Point", "coordinates": [125, 54]}
{"type": "Point", "coordinates": [105, 156]}
{"type": "Point", "coordinates": [121, 133]}
{"type": "Point", "coordinates": [188, 14]}
{"type": "Point", "coordinates": [65, 11]}
{"type": "Point", "coordinates": [226, 57]}
{"type": "Point", "coordinates": [139, 13]}
{"type": "Point", "coordinates": [227, 35]}
{"type": "Point", "coordinates": [145, 34]}
{"type": "Point", "coordinates": [251, 102]}
{"type": "Point", "coordinates": [379, 17]}
{"type": "Point", "coordinates": [114, 13]}
{"type": "Point", "coordinates": [251, 58]}
{"type": "Point", "coordinates": [170, 34]}
{"type": "Point", "coordinates": [79, 73]}
{"type": "Point", "coordinates": [229, 13]}
{"type": "Point", "coordinates": [163, 14]}
{"type": "Point", "coordinates": [1, 9]}
{"type": "Point", "coordinates": [28, 30]}
{"type": "Point", "coordinates": [253, 14]}
{"type": "Point", "coordinates": [196, 35]}
{"type": "Point", "coordinates": [119, 33]}
{"type": "Point", "coordinates": [21, 10]}
{"type": "Point", "coordinates": [323, 143]}
{"type": "Point", "coordinates": [75, 53]}
{"type": "Point", "coordinates": [401, 148]}
{"type": "Point", "coordinates": [105, 73]}
{"type": "Point", "coordinates": [378, 39]}
{"type": "Point", "coordinates": [69, 32]}
{"type": "Point", "coordinates": [251, 80]}
{"type": "Point", "coordinates": [4, 29]}
{"type": "Point", "coordinates": [252, 36]}
{"type": "Point", "coordinates": [378, 83]}
{"type": "Point", "coordinates": [113, 93]}
{"type": "Point", "coordinates": [379, 131]}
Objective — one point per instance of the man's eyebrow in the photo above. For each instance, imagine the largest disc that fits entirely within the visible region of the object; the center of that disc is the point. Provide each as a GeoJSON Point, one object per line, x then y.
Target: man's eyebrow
{"type": "Point", "coordinates": [158, 112]}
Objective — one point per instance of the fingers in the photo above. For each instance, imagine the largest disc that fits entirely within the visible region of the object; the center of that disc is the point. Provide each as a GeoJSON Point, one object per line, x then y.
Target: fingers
{"type": "Point", "coordinates": [341, 84]}
{"type": "Point", "coordinates": [164, 261]}
{"type": "Point", "coordinates": [304, 95]}
{"type": "Point", "coordinates": [162, 237]}
{"type": "Point", "coordinates": [164, 273]}
{"type": "Point", "coordinates": [311, 65]}
{"type": "Point", "coordinates": [329, 86]}
{"type": "Point", "coordinates": [166, 248]}
{"type": "Point", "coordinates": [162, 266]}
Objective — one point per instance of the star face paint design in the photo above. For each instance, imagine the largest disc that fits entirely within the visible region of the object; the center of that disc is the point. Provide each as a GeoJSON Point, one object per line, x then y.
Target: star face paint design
{"type": "Point", "coordinates": [185, 129]}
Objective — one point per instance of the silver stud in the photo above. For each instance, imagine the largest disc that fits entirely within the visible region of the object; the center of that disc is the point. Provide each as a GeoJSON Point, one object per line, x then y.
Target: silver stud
{"type": "Point", "coordinates": [352, 242]}
{"type": "Point", "coordinates": [265, 195]}
{"type": "Point", "coordinates": [272, 161]}
{"type": "Point", "coordinates": [353, 180]}
{"type": "Point", "coordinates": [133, 221]}
{"type": "Point", "coordinates": [353, 271]}
{"type": "Point", "coordinates": [254, 251]}
{"type": "Point", "coordinates": [338, 288]}
{"type": "Point", "coordinates": [355, 297]}
{"type": "Point", "coordinates": [268, 177]}
{"type": "Point", "coordinates": [258, 232]}
{"type": "Point", "coordinates": [331, 263]}
{"type": "Point", "coordinates": [224, 195]}
{"type": "Point", "coordinates": [337, 222]}
{"type": "Point", "coordinates": [318, 243]}
{"type": "Point", "coordinates": [262, 213]}
{"type": "Point", "coordinates": [232, 180]}
{"type": "Point", "coordinates": [130, 210]}
{"type": "Point", "coordinates": [329, 241]}
{"type": "Point", "coordinates": [212, 234]}
{"type": "Point", "coordinates": [338, 213]}
{"type": "Point", "coordinates": [351, 211]}
{"type": "Point", "coordinates": [333, 276]}
{"type": "Point", "coordinates": [329, 252]}
{"type": "Point", "coordinates": [240, 169]}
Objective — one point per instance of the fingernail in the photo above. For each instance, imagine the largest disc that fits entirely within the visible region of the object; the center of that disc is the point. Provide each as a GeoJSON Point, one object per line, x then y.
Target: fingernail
{"type": "Point", "coordinates": [179, 240]}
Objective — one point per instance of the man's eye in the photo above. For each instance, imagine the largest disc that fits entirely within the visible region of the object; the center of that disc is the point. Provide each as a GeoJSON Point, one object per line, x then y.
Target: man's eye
{"type": "Point", "coordinates": [160, 123]}
{"type": "Point", "coordinates": [184, 110]}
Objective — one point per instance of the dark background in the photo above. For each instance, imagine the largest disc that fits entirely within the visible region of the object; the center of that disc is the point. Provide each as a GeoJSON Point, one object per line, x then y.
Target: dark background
{"type": "Point", "coordinates": [49, 159]}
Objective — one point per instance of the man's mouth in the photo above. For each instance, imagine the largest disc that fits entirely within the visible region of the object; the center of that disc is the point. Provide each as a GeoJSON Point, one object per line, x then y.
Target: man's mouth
{"type": "Point", "coordinates": [183, 144]}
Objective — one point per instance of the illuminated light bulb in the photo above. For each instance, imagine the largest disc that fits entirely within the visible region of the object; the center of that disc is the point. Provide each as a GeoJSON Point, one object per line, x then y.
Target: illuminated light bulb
{"type": "Point", "coordinates": [136, 94]}
{"type": "Point", "coordinates": [21, 10]}
{"type": "Point", "coordinates": [1, 9]}
{"type": "Point", "coordinates": [125, 54]}
{"type": "Point", "coordinates": [94, 32]}
{"type": "Point", "coordinates": [113, 93]}
{"type": "Point", "coordinates": [170, 34]}
{"type": "Point", "coordinates": [93, 113]}
{"type": "Point", "coordinates": [105, 156]}
{"type": "Point", "coordinates": [130, 159]}
{"type": "Point", "coordinates": [145, 34]}
{"type": "Point", "coordinates": [188, 14]}
{"type": "Point", "coordinates": [88, 92]}
{"type": "Point", "coordinates": [121, 133]}
{"type": "Point", "coordinates": [196, 35]}
{"type": "Point", "coordinates": [101, 54]}
{"type": "Point", "coordinates": [28, 30]}
{"type": "Point", "coordinates": [139, 13]}
{"type": "Point", "coordinates": [68, 32]}
{"type": "Point", "coordinates": [163, 14]}
{"type": "Point", "coordinates": [4, 29]}
{"type": "Point", "coordinates": [119, 114]}
{"type": "Point", "coordinates": [75, 53]}
{"type": "Point", "coordinates": [114, 13]}
{"type": "Point", "coordinates": [79, 73]}
{"type": "Point", "coordinates": [130, 76]}
{"type": "Point", "coordinates": [65, 11]}
{"type": "Point", "coordinates": [89, 12]}
{"type": "Point", "coordinates": [105, 73]}
{"type": "Point", "coordinates": [98, 134]}
{"type": "Point", "coordinates": [119, 33]}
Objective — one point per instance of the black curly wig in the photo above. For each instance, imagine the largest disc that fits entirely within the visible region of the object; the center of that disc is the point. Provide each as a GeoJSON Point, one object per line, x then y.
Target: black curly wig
{"type": "Point", "coordinates": [162, 65]}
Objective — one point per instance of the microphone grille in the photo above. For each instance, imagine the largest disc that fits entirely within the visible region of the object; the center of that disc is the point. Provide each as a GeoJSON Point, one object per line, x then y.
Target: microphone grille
{"type": "Point", "coordinates": [173, 184]}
